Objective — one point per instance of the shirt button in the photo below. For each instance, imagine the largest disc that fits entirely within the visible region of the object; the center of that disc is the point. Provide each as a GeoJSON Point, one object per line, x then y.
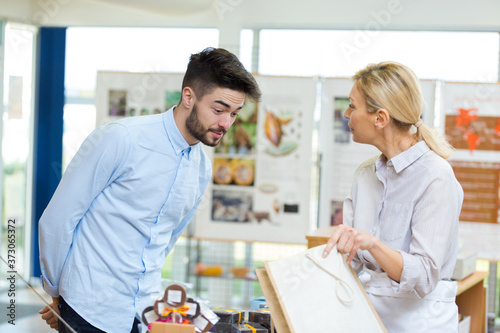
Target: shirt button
{"type": "Point", "coordinates": [154, 236]}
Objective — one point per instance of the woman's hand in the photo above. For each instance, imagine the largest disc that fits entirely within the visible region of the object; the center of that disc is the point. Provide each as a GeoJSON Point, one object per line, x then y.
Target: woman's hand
{"type": "Point", "coordinates": [349, 240]}
{"type": "Point", "coordinates": [49, 317]}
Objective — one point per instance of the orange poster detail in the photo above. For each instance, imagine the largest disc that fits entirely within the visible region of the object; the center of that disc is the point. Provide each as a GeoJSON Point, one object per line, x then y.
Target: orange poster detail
{"type": "Point", "coordinates": [472, 132]}
{"type": "Point", "coordinates": [466, 116]}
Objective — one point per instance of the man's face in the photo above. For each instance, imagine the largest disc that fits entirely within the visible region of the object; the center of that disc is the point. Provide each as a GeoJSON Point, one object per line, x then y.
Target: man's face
{"type": "Point", "coordinates": [214, 114]}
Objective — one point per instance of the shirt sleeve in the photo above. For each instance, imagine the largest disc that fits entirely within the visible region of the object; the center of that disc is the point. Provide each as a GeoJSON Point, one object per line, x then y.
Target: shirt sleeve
{"type": "Point", "coordinates": [97, 164]}
{"type": "Point", "coordinates": [434, 233]}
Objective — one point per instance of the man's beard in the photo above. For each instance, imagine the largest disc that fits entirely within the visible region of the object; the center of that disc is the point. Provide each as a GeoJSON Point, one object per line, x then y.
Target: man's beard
{"type": "Point", "coordinates": [199, 132]}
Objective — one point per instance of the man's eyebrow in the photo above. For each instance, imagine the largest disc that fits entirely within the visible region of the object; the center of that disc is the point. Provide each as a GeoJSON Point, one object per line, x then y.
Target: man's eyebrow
{"type": "Point", "coordinates": [227, 105]}
{"type": "Point", "coordinates": [223, 103]}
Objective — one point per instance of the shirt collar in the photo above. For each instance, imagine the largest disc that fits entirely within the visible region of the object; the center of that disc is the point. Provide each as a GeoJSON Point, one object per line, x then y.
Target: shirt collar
{"type": "Point", "coordinates": [175, 137]}
{"type": "Point", "coordinates": [406, 158]}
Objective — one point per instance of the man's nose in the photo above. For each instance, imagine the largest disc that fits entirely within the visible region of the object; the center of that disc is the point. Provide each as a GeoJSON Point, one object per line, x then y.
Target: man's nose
{"type": "Point", "coordinates": [226, 121]}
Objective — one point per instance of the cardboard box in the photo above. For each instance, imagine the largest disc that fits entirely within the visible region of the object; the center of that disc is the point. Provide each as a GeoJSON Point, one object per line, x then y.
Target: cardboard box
{"type": "Point", "coordinates": [159, 327]}
{"type": "Point", "coordinates": [465, 265]}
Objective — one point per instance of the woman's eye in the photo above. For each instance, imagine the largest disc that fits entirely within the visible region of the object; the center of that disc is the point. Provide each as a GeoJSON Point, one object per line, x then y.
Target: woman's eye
{"type": "Point", "coordinates": [351, 106]}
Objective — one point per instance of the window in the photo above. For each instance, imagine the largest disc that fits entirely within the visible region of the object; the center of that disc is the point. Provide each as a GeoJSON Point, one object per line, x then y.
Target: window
{"type": "Point", "coordinates": [432, 55]}
{"type": "Point", "coordinates": [17, 43]}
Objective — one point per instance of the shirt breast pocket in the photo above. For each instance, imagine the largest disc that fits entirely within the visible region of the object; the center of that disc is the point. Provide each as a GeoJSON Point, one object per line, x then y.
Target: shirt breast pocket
{"type": "Point", "coordinates": [395, 221]}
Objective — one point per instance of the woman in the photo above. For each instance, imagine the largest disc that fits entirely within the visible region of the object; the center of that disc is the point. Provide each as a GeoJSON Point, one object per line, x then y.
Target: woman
{"type": "Point", "coordinates": [401, 219]}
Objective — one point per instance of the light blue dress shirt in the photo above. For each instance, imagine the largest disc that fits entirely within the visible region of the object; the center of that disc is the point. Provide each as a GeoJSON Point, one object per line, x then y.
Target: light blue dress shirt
{"type": "Point", "coordinates": [124, 200]}
{"type": "Point", "coordinates": [412, 203]}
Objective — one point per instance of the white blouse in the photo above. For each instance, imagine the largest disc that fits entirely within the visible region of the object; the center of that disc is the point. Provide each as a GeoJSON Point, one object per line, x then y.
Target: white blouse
{"type": "Point", "coordinates": [411, 203]}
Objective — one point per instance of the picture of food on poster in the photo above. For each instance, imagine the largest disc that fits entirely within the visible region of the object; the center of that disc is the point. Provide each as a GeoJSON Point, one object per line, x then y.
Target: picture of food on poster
{"type": "Point", "coordinates": [262, 168]}
{"type": "Point", "coordinates": [125, 94]}
{"type": "Point", "coordinates": [340, 155]}
{"type": "Point", "coordinates": [471, 121]}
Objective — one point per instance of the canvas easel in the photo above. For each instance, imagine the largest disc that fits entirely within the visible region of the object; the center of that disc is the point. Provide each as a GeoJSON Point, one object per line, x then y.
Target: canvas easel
{"type": "Point", "coordinates": [308, 293]}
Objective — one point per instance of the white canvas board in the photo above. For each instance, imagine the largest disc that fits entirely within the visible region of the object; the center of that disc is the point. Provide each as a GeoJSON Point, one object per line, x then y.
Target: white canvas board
{"type": "Point", "coordinates": [315, 301]}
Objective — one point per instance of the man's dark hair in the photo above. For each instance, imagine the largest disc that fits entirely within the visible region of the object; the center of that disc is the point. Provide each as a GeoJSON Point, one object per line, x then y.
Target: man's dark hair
{"type": "Point", "coordinates": [216, 67]}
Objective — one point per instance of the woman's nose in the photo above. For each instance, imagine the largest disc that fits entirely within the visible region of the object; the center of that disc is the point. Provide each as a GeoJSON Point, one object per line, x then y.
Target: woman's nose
{"type": "Point", "coordinates": [347, 113]}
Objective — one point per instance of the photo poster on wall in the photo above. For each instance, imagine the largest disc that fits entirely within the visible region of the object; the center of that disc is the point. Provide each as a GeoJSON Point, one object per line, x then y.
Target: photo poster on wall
{"type": "Point", "coordinates": [262, 168]}
{"type": "Point", "coordinates": [340, 155]}
{"type": "Point", "coordinates": [127, 94]}
{"type": "Point", "coordinates": [470, 118]}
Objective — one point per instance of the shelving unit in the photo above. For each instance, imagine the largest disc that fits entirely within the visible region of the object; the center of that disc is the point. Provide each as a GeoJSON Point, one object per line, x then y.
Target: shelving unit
{"type": "Point", "coordinates": [224, 290]}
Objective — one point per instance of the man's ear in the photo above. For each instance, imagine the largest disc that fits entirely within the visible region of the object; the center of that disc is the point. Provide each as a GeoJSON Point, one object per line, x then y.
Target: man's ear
{"type": "Point", "coordinates": [187, 97]}
{"type": "Point", "coordinates": [382, 118]}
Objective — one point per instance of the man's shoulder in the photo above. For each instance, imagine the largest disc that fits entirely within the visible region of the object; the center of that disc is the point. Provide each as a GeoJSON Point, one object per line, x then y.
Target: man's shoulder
{"type": "Point", "coordinates": [132, 122]}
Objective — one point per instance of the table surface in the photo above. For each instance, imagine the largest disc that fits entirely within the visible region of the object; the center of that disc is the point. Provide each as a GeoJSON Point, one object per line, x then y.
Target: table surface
{"type": "Point", "coordinates": [470, 281]}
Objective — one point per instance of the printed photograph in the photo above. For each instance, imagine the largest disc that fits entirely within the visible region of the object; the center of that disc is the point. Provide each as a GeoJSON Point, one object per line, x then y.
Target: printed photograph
{"type": "Point", "coordinates": [117, 103]}
{"type": "Point", "coordinates": [336, 212]}
{"type": "Point", "coordinates": [172, 97]}
{"type": "Point", "coordinates": [341, 131]}
{"type": "Point", "coordinates": [232, 206]}
{"type": "Point", "coordinates": [234, 171]}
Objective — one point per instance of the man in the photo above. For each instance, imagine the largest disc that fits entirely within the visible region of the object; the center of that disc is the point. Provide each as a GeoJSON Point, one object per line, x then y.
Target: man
{"type": "Point", "coordinates": [128, 194]}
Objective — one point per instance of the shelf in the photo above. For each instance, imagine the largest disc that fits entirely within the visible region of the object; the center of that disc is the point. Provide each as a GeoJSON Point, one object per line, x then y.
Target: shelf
{"type": "Point", "coordinates": [229, 276]}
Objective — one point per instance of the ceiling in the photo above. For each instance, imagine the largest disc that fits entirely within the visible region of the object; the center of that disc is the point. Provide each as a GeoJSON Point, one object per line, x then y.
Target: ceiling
{"type": "Point", "coordinates": [163, 7]}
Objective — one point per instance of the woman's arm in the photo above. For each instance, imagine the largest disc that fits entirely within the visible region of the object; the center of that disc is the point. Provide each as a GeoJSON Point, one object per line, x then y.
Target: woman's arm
{"type": "Point", "coordinates": [350, 240]}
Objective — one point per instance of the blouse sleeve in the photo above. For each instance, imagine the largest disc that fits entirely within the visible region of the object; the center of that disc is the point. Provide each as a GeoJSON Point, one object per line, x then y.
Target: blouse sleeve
{"type": "Point", "coordinates": [434, 228]}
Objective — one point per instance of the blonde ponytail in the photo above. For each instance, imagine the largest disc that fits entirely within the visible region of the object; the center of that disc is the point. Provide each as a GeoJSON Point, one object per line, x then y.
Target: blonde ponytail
{"type": "Point", "coordinates": [434, 140]}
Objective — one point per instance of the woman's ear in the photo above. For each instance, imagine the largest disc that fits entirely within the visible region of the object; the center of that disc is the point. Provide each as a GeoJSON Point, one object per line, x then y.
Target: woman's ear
{"type": "Point", "coordinates": [187, 97]}
{"type": "Point", "coordinates": [382, 118]}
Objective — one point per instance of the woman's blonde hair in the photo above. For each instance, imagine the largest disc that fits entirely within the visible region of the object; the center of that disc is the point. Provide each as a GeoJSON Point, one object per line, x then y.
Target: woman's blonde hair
{"type": "Point", "coordinates": [395, 88]}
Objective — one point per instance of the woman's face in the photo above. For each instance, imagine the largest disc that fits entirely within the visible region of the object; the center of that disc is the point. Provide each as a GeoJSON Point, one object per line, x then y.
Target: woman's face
{"type": "Point", "coordinates": [361, 122]}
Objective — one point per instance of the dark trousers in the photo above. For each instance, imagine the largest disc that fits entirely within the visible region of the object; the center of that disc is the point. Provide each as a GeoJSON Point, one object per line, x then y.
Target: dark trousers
{"type": "Point", "coordinates": [78, 323]}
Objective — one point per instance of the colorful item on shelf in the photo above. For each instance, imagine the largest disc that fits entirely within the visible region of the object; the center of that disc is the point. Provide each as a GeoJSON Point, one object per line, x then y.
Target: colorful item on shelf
{"type": "Point", "coordinates": [229, 316]}
{"type": "Point", "coordinates": [234, 321]}
{"type": "Point", "coordinates": [176, 313]}
{"type": "Point", "coordinates": [261, 317]}
{"type": "Point", "coordinates": [202, 269]}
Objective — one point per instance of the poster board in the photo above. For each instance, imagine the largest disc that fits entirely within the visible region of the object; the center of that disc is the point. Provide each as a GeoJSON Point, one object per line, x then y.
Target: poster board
{"type": "Point", "coordinates": [126, 94]}
{"type": "Point", "coordinates": [304, 297]}
{"type": "Point", "coordinates": [470, 119]}
{"type": "Point", "coordinates": [270, 202]}
{"type": "Point", "coordinates": [340, 156]}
